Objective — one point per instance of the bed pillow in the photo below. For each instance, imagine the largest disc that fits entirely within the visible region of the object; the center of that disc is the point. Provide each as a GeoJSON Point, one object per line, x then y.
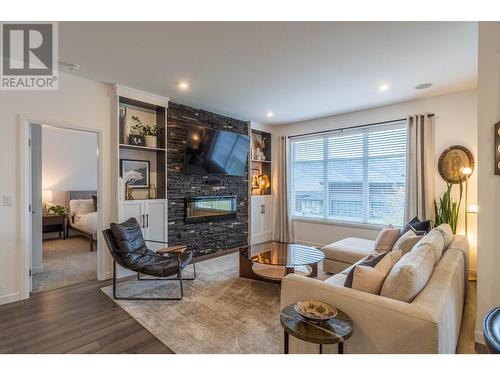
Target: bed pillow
{"type": "Point", "coordinates": [386, 239]}
{"type": "Point", "coordinates": [79, 207]}
{"type": "Point", "coordinates": [94, 202]}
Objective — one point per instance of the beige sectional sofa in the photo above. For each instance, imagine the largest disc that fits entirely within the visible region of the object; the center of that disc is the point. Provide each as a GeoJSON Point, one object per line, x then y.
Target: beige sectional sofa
{"type": "Point", "coordinates": [430, 323]}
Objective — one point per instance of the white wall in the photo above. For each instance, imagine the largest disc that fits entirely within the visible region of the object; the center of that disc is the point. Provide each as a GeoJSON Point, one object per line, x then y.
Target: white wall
{"type": "Point", "coordinates": [69, 159]}
{"type": "Point", "coordinates": [78, 101]}
{"type": "Point", "coordinates": [455, 124]}
{"type": "Point", "coordinates": [488, 285]}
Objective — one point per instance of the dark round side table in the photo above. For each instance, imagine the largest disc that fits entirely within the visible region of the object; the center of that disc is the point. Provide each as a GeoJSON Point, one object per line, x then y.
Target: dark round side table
{"type": "Point", "coordinates": [332, 331]}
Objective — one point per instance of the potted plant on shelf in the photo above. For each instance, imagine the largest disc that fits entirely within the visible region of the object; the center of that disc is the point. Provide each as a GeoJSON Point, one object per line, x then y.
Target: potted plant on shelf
{"type": "Point", "coordinates": [149, 132]}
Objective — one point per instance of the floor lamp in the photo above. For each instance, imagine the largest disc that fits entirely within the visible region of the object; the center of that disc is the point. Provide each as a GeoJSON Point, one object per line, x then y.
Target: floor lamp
{"type": "Point", "coordinates": [467, 171]}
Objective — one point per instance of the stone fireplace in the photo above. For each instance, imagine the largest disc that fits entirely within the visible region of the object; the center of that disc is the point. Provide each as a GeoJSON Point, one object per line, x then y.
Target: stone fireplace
{"type": "Point", "coordinates": [208, 209]}
{"type": "Point", "coordinates": [227, 226]}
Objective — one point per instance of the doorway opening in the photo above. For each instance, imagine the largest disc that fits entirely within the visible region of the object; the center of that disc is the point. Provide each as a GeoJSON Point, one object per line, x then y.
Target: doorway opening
{"type": "Point", "coordinates": [64, 206]}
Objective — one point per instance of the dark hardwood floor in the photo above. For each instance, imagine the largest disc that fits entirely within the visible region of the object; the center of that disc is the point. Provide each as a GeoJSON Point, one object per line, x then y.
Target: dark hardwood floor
{"type": "Point", "coordinates": [74, 319]}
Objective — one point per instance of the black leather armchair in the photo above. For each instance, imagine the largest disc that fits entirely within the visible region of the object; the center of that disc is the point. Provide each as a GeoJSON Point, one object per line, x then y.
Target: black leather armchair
{"type": "Point", "coordinates": [129, 250]}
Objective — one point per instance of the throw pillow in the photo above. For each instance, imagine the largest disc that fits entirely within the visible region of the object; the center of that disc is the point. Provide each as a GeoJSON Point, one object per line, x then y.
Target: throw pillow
{"type": "Point", "coordinates": [406, 242]}
{"type": "Point", "coordinates": [410, 275]}
{"type": "Point", "coordinates": [417, 226]}
{"type": "Point", "coordinates": [370, 261]}
{"type": "Point", "coordinates": [387, 238]}
{"type": "Point", "coordinates": [370, 279]}
{"type": "Point", "coordinates": [407, 226]}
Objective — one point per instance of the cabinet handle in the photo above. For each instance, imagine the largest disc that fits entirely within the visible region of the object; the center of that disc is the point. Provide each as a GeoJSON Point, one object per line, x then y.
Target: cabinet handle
{"type": "Point", "coordinates": [262, 209]}
{"type": "Point", "coordinates": [147, 220]}
{"type": "Point", "coordinates": [143, 221]}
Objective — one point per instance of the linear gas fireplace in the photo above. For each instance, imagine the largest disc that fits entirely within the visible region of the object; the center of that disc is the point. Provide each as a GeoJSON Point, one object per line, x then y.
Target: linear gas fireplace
{"type": "Point", "coordinates": [203, 209]}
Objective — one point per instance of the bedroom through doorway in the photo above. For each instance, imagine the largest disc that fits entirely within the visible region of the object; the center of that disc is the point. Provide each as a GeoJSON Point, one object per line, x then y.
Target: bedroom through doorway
{"type": "Point", "coordinates": [64, 206]}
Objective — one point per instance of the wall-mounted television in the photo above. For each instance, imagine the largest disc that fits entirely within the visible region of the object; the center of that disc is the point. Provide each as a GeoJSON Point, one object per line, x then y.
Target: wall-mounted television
{"type": "Point", "coordinates": [217, 152]}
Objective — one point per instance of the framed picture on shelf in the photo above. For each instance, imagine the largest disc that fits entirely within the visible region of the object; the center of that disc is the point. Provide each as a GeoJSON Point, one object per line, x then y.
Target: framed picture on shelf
{"type": "Point", "coordinates": [136, 172]}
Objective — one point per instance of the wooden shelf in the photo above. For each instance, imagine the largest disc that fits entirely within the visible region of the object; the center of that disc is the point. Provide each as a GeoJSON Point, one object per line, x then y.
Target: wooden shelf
{"type": "Point", "coordinates": [261, 161]}
{"type": "Point", "coordinates": [142, 148]}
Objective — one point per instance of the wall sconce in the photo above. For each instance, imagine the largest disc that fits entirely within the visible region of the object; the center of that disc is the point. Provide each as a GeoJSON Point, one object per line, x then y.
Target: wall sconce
{"type": "Point", "coordinates": [263, 183]}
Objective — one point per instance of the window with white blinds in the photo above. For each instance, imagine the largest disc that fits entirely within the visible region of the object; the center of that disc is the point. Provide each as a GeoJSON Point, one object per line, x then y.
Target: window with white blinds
{"type": "Point", "coordinates": [355, 176]}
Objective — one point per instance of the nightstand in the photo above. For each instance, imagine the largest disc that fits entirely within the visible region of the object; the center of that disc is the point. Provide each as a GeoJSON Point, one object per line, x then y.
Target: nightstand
{"type": "Point", "coordinates": [55, 223]}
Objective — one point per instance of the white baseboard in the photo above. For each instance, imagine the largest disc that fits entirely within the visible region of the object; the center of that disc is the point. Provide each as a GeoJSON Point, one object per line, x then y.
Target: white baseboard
{"type": "Point", "coordinates": [259, 238]}
{"type": "Point", "coordinates": [478, 337]}
{"type": "Point", "coordinates": [38, 269]}
{"type": "Point", "coordinates": [14, 297]}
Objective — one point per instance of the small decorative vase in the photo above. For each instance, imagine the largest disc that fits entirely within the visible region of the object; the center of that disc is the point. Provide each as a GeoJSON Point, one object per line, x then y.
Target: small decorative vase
{"type": "Point", "coordinates": [150, 141]}
{"type": "Point", "coordinates": [124, 125]}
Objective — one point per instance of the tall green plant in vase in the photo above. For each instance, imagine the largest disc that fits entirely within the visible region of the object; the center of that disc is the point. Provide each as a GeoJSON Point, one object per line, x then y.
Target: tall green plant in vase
{"type": "Point", "coordinates": [447, 211]}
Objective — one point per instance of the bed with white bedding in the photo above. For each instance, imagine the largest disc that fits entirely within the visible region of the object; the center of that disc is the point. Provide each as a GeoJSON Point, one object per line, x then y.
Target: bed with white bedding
{"type": "Point", "coordinates": [82, 214]}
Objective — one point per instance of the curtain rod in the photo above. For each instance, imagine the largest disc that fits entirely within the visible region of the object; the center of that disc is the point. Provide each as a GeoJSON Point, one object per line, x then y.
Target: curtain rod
{"type": "Point", "coordinates": [354, 127]}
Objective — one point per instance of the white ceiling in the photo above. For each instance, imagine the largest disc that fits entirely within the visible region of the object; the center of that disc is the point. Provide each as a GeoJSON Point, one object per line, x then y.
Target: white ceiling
{"type": "Point", "coordinates": [298, 70]}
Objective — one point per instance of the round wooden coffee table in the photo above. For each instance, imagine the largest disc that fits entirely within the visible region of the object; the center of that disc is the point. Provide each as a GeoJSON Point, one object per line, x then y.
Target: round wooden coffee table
{"type": "Point", "coordinates": [332, 331]}
{"type": "Point", "coordinates": [271, 261]}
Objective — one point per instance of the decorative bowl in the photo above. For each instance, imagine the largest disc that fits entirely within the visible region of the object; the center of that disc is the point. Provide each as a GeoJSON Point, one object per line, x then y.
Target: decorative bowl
{"type": "Point", "coordinates": [316, 311]}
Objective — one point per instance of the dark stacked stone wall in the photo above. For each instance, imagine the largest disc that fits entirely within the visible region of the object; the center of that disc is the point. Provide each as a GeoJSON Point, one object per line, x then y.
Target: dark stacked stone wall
{"type": "Point", "coordinates": [210, 237]}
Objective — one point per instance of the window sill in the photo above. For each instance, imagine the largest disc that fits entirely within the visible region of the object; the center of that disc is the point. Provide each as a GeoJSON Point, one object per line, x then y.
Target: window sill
{"type": "Point", "coordinates": [339, 223]}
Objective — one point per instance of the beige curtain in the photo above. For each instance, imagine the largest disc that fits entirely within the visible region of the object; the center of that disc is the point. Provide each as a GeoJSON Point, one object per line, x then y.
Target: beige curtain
{"type": "Point", "coordinates": [284, 228]}
{"type": "Point", "coordinates": [420, 169]}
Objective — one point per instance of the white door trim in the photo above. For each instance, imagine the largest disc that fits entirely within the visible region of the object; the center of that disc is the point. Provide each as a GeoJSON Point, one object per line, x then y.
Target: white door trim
{"type": "Point", "coordinates": [25, 184]}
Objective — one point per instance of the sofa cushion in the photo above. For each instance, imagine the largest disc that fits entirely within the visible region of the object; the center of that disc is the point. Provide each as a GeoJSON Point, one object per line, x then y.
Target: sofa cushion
{"type": "Point", "coordinates": [370, 279]}
{"type": "Point", "coordinates": [349, 250]}
{"type": "Point", "coordinates": [446, 232]}
{"type": "Point", "coordinates": [434, 240]}
{"type": "Point", "coordinates": [337, 279]}
{"type": "Point", "coordinates": [406, 242]}
{"type": "Point", "coordinates": [370, 261]}
{"type": "Point", "coordinates": [387, 238]}
{"type": "Point", "coordinates": [409, 276]}
{"type": "Point", "coordinates": [128, 235]}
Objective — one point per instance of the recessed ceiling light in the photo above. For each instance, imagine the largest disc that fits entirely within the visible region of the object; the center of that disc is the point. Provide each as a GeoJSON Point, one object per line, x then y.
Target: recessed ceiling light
{"type": "Point", "coordinates": [70, 66]}
{"type": "Point", "coordinates": [183, 85]}
{"type": "Point", "coordinates": [269, 114]}
{"type": "Point", "coordinates": [422, 86]}
{"type": "Point", "coordinates": [383, 87]}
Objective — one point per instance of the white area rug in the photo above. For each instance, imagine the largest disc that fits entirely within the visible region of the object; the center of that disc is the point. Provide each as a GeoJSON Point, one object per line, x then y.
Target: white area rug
{"type": "Point", "coordinates": [220, 312]}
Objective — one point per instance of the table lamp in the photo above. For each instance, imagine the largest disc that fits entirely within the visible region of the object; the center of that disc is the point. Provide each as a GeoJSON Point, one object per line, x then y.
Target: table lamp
{"type": "Point", "coordinates": [263, 183]}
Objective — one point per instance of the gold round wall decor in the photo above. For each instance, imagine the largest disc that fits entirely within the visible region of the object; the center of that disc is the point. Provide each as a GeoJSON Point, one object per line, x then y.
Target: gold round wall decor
{"type": "Point", "coordinates": [452, 161]}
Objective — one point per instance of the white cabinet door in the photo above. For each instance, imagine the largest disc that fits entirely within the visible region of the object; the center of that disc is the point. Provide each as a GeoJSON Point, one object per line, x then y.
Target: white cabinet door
{"type": "Point", "coordinates": [256, 216]}
{"type": "Point", "coordinates": [261, 219]}
{"type": "Point", "coordinates": [268, 223]}
{"type": "Point", "coordinates": [130, 209]}
{"type": "Point", "coordinates": [155, 222]}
